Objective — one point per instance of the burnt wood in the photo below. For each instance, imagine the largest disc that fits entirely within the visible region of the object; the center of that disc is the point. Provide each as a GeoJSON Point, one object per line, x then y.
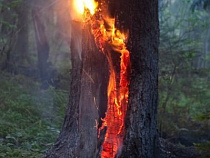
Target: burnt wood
{"type": "Point", "coordinates": [87, 100]}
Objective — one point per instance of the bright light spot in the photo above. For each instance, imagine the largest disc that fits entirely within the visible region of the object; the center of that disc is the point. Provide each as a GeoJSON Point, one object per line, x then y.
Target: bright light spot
{"type": "Point", "coordinates": [81, 5]}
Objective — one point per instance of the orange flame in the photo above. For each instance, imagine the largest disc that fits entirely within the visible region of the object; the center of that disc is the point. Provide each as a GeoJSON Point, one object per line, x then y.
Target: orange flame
{"type": "Point", "coordinates": [79, 7]}
{"type": "Point", "coordinates": [117, 92]}
{"type": "Point", "coordinates": [108, 35]}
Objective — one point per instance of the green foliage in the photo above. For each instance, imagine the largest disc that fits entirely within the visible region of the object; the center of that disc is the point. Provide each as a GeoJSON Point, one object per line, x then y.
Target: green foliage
{"type": "Point", "coordinates": [203, 117]}
{"type": "Point", "coordinates": [30, 118]}
{"type": "Point", "coordinates": [203, 148]}
{"type": "Point", "coordinates": [184, 88]}
{"type": "Point", "coordinates": [8, 21]}
{"type": "Point", "coordinates": [8, 25]}
{"type": "Point", "coordinates": [200, 3]}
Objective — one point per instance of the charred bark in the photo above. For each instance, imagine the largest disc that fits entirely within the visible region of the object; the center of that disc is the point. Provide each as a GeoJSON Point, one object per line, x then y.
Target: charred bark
{"type": "Point", "coordinates": [141, 139]}
{"type": "Point", "coordinates": [87, 100]}
{"type": "Point", "coordinates": [93, 99]}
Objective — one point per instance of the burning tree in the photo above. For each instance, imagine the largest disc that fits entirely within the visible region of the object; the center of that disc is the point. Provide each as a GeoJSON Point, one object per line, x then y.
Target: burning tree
{"type": "Point", "coordinates": [113, 91]}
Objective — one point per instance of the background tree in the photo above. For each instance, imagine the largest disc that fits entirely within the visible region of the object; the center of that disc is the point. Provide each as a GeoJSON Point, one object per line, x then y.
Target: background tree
{"type": "Point", "coordinates": [42, 44]}
{"type": "Point", "coordinates": [22, 42]}
{"type": "Point", "coordinates": [8, 27]}
{"type": "Point", "coordinates": [183, 80]}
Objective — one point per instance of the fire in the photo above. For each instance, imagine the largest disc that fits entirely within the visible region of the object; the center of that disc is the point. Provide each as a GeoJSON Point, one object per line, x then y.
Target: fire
{"type": "Point", "coordinates": [117, 92]}
{"type": "Point", "coordinates": [81, 5]}
{"type": "Point", "coordinates": [110, 40]}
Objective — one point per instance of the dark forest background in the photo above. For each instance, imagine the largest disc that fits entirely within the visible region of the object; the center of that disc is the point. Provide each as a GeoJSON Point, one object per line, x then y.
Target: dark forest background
{"type": "Point", "coordinates": [35, 64]}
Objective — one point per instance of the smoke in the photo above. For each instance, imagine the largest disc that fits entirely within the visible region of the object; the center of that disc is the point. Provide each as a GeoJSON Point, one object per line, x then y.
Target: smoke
{"type": "Point", "coordinates": [78, 41]}
{"type": "Point", "coordinates": [76, 29]}
{"type": "Point", "coordinates": [76, 37]}
{"type": "Point", "coordinates": [69, 25]}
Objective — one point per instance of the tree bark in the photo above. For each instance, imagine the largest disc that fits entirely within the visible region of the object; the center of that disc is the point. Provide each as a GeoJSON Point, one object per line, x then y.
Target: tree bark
{"type": "Point", "coordinates": [141, 139]}
{"type": "Point", "coordinates": [87, 100]}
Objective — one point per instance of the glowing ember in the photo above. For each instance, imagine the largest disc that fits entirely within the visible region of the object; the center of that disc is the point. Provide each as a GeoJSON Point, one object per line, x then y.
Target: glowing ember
{"type": "Point", "coordinates": [117, 92]}
{"type": "Point", "coordinates": [117, 107]}
{"type": "Point", "coordinates": [107, 36]}
{"type": "Point", "coordinates": [117, 97]}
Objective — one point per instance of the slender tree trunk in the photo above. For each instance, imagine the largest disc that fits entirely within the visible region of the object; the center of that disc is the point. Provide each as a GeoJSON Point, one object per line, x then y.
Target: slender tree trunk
{"type": "Point", "coordinates": [206, 49]}
{"type": "Point", "coordinates": [141, 123]}
{"type": "Point", "coordinates": [7, 35]}
{"type": "Point", "coordinates": [42, 44]}
{"type": "Point", "coordinates": [21, 45]}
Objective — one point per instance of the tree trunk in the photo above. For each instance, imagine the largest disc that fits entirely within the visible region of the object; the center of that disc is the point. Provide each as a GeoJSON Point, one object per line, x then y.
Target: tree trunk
{"type": "Point", "coordinates": [78, 137]}
{"type": "Point", "coordinates": [88, 89]}
{"type": "Point", "coordinates": [7, 35]}
{"type": "Point", "coordinates": [206, 49]}
{"type": "Point", "coordinates": [42, 44]}
{"type": "Point", "coordinates": [21, 45]}
{"type": "Point", "coordinates": [141, 139]}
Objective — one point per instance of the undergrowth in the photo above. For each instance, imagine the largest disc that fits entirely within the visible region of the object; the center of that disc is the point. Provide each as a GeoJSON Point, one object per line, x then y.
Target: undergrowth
{"type": "Point", "coordinates": [30, 118]}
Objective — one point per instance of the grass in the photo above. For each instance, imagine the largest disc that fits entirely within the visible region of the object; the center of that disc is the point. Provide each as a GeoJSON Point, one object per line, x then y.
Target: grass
{"type": "Point", "coordinates": [30, 118]}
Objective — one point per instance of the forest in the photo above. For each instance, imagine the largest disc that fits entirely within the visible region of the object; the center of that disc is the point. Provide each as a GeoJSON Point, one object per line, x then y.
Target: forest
{"type": "Point", "coordinates": [60, 77]}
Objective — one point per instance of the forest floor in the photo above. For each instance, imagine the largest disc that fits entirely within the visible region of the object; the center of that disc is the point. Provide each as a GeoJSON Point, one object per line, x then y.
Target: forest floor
{"type": "Point", "coordinates": [170, 150]}
{"type": "Point", "coordinates": [31, 119]}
